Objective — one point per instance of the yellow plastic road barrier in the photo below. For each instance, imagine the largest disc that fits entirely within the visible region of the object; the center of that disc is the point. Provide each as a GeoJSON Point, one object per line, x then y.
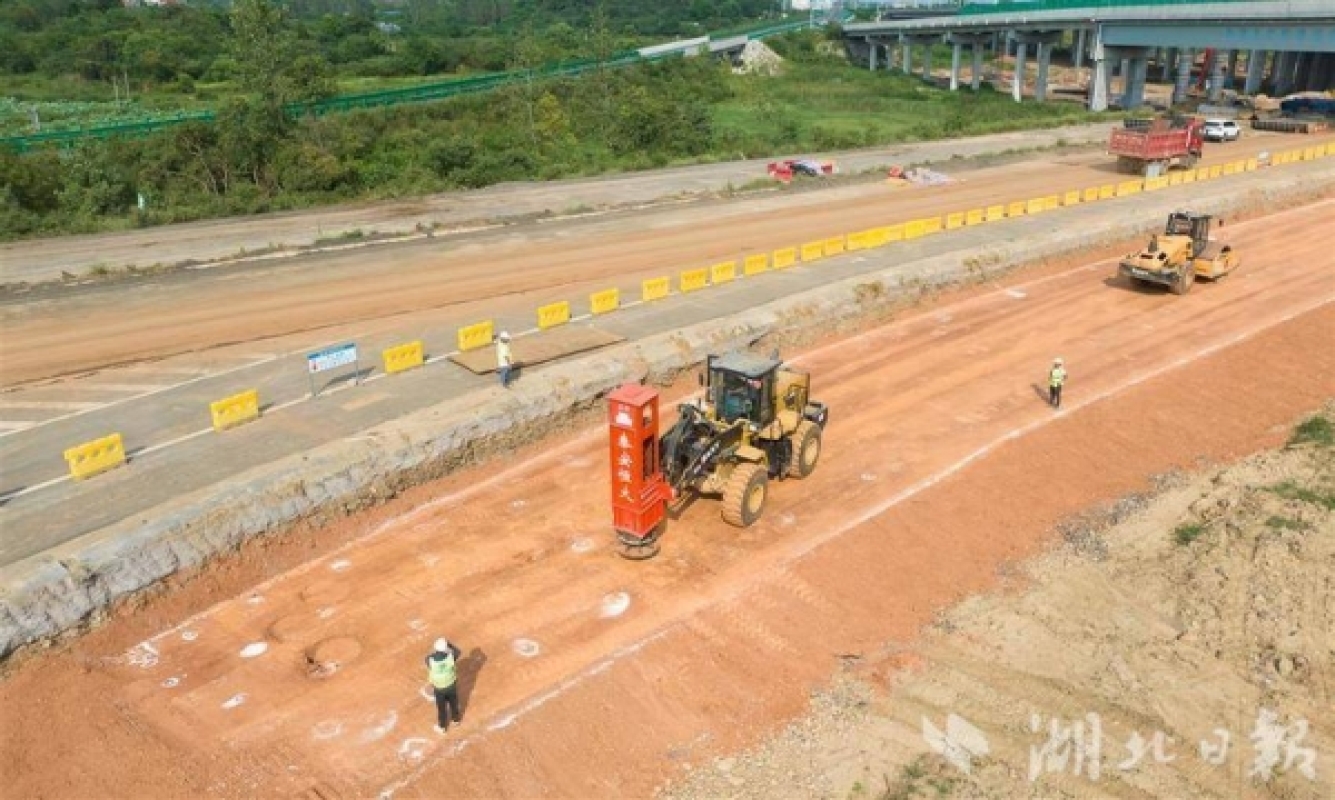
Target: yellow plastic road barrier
{"type": "Point", "coordinates": [1035, 206]}
{"type": "Point", "coordinates": [1229, 169]}
{"type": "Point", "coordinates": [1203, 174]}
{"type": "Point", "coordinates": [995, 213]}
{"type": "Point", "coordinates": [1174, 178]}
{"type": "Point", "coordinates": [975, 216]}
{"type": "Point", "coordinates": [915, 229]}
{"type": "Point", "coordinates": [786, 257]}
{"type": "Point", "coordinates": [90, 458]}
{"type": "Point", "coordinates": [605, 301]}
{"type": "Point", "coordinates": [1107, 191]}
{"type": "Point", "coordinates": [894, 233]}
{"type": "Point", "coordinates": [813, 251]}
{"type": "Point", "coordinates": [1323, 150]}
{"type": "Point", "coordinates": [854, 241]}
{"type": "Point", "coordinates": [1071, 198]}
{"type": "Point", "coordinates": [1090, 195]}
{"type": "Point", "coordinates": [693, 280]}
{"type": "Point", "coordinates": [397, 359]}
{"type": "Point", "coordinates": [479, 334]}
{"type": "Point", "coordinates": [955, 220]}
{"type": "Point", "coordinates": [656, 288]}
{"type": "Point", "coordinates": [244, 407]}
{"type": "Point", "coordinates": [1052, 201]}
{"type": "Point", "coordinates": [833, 246]}
{"type": "Point", "coordinates": [1016, 209]}
{"type": "Point", "coordinates": [1155, 184]}
{"type": "Point", "coordinates": [931, 225]}
{"type": "Point", "coordinates": [1252, 165]}
{"type": "Point", "coordinates": [1128, 188]}
{"type": "Point", "coordinates": [1189, 176]}
{"type": "Point", "coordinates": [553, 314]}
{"type": "Point", "coordinates": [877, 237]}
{"type": "Point", "coordinates": [723, 272]}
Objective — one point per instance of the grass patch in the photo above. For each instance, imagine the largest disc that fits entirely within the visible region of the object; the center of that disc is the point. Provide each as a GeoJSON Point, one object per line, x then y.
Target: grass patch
{"type": "Point", "coordinates": [1292, 491]}
{"type": "Point", "coordinates": [1187, 533]}
{"type": "Point", "coordinates": [354, 235]}
{"type": "Point", "coordinates": [1316, 430]}
{"type": "Point", "coordinates": [1286, 524]}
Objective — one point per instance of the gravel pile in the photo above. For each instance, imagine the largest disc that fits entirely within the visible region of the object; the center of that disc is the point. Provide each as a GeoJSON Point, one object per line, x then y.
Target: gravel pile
{"type": "Point", "coordinates": [757, 59]}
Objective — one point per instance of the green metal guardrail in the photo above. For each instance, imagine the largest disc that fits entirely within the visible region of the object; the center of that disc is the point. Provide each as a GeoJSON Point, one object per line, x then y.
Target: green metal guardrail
{"type": "Point", "coordinates": [1022, 6]}
{"type": "Point", "coordinates": [386, 97]}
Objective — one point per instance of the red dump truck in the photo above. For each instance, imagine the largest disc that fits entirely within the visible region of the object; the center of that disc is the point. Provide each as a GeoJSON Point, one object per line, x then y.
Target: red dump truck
{"type": "Point", "coordinates": [1152, 148]}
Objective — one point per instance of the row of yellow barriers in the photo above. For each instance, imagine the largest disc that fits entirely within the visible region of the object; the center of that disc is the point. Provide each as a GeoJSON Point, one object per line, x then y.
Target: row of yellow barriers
{"type": "Point", "coordinates": [693, 280]}
{"type": "Point", "coordinates": [100, 455]}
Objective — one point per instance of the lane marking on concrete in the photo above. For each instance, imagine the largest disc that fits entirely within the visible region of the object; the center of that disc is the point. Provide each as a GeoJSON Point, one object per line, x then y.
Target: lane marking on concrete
{"type": "Point", "coordinates": [119, 387]}
{"type": "Point", "coordinates": [505, 719]}
{"type": "Point", "coordinates": [5, 425]}
{"type": "Point", "coordinates": [44, 405]}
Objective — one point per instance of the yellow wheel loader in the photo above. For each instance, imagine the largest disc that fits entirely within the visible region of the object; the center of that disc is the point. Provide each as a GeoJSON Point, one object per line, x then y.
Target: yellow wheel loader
{"type": "Point", "coordinates": [755, 422]}
{"type": "Point", "coordinates": [1184, 252]}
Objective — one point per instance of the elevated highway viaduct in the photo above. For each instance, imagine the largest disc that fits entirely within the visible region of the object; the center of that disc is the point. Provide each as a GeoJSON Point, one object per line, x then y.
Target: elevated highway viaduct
{"type": "Point", "coordinates": [1282, 46]}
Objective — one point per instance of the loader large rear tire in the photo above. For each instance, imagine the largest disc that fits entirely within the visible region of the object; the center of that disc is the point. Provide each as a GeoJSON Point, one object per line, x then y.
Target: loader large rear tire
{"type": "Point", "coordinates": [806, 449]}
{"type": "Point", "coordinates": [744, 494]}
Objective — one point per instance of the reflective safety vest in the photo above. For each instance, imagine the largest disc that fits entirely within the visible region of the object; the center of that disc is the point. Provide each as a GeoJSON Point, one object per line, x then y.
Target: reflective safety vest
{"type": "Point", "coordinates": [441, 671]}
{"type": "Point", "coordinates": [503, 354]}
{"type": "Point", "coordinates": [1056, 377]}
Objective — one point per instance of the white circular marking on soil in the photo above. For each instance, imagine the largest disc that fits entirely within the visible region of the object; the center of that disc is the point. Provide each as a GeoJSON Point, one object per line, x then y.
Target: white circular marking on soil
{"type": "Point", "coordinates": [340, 565]}
{"type": "Point", "coordinates": [417, 624]}
{"type": "Point", "coordinates": [615, 604]}
{"type": "Point", "coordinates": [255, 599]}
{"type": "Point", "coordinates": [518, 503]}
{"type": "Point", "coordinates": [868, 476]}
{"type": "Point", "coordinates": [582, 545]}
{"type": "Point", "coordinates": [327, 729]}
{"type": "Point", "coordinates": [189, 636]}
{"type": "Point", "coordinates": [254, 649]}
{"type": "Point", "coordinates": [412, 749]}
{"type": "Point", "coordinates": [526, 647]}
{"type": "Point", "coordinates": [379, 731]}
{"type": "Point", "coordinates": [787, 519]}
{"type": "Point", "coordinates": [326, 612]}
{"type": "Point", "coordinates": [234, 701]}
{"type": "Point", "coordinates": [171, 683]}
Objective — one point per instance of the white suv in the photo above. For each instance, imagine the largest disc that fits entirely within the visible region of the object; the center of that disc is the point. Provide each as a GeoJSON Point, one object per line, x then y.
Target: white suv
{"type": "Point", "coordinates": [1222, 130]}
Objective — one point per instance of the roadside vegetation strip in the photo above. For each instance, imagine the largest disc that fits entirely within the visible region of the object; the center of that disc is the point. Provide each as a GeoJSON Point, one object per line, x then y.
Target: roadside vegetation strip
{"type": "Point", "coordinates": [675, 111]}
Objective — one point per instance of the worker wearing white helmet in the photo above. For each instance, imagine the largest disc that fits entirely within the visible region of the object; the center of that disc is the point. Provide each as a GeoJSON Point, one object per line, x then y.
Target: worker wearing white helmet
{"type": "Point", "coordinates": [442, 672]}
{"type": "Point", "coordinates": [1056, 378]}
{"type": "Point", "coordinates": [505, 363]}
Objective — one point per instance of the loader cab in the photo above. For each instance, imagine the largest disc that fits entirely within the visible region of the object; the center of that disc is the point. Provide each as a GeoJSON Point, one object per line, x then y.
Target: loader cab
{"type": "Point", "coordinates": [1196, 226]}
{"type": "Point", "coordinates": [741, 386]}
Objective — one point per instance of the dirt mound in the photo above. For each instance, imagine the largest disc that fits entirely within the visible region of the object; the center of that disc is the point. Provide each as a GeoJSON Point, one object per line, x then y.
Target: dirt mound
{"type": "Point", "coordinates": [1186, 651]}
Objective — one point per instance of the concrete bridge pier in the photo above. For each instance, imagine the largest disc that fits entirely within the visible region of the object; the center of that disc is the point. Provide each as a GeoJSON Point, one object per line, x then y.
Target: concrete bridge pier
{"type": "Point", "coordinates": [1255, 71]}
{"type": "Point", "coordinates": [1043, 42]}
{"type": "Point", "coordinates": [1231, 77]}
{"type": "Point", "coordinates": [976, 43]}
{"type": "Point", "coordinates": [1281, 74]}
{"type": "Point", "coordinates": [1216, 90]}
{"type": "Point", "coordinates": [1183, 81]}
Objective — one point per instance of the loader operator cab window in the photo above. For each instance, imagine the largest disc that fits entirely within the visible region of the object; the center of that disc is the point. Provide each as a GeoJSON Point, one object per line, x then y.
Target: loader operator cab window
{"type": "Point", "coordinates": [739, 397]}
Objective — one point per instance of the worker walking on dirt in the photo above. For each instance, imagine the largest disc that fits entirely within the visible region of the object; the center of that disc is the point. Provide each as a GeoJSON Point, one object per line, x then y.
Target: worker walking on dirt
{"type": "Point", "coordinates": [1056, 377]}
{"type": "Point", "coordinates": [504, 361]}
{"type": "Point", "coordinates": [442, 671]}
